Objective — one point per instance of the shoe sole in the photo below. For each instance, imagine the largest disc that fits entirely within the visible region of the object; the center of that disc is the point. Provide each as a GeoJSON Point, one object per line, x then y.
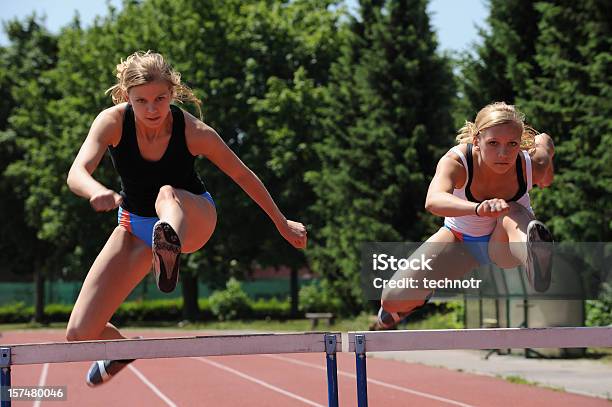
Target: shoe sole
{"type": "Point", "coordinates": [166, 253]}
{"type": "Point", "coordinates": [539, 256]}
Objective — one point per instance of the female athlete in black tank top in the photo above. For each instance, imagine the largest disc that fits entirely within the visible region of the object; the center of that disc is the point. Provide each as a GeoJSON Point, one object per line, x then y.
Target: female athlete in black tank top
{"type": "Point", "coordinates": [167, 188]}
{"type": "Point", "coordinates": [141, 179]}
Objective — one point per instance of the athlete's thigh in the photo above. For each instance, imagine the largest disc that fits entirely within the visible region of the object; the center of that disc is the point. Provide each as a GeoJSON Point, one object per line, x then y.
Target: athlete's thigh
{"type": "Point", "coordinates": [200, 220]}
{"type": "Point", "coordinates": [123, 262]}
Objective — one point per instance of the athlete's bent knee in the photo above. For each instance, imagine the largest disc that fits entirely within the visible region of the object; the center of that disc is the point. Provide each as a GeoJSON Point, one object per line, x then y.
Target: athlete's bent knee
{"type": "Point", "coordinates": [166, 193]}
{"type": "Point", "coordinates": [74, 334]}
{"type": "Point", "coordinates": [79, 333]}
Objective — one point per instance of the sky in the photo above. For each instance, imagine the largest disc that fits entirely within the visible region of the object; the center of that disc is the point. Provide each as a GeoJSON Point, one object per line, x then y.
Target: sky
{"type": "Point", "coordinates": [454, 20]}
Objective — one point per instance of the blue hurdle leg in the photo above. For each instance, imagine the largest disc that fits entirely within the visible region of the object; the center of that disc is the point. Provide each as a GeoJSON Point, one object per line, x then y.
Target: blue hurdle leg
{"type": "Point", "coordinates": [332, 370]}
{"type": "Point", "coordinates": [362, 377]}
{"type": "Point", "coordinates": [5, 377]}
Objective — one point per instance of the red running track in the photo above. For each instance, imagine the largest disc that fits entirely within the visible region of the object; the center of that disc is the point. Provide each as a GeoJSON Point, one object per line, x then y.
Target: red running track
{"type": "Point", "coordinates": [273, 380]}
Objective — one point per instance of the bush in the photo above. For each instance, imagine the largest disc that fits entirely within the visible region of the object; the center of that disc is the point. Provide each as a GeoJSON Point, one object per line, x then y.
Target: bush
{"type": "Point", "coordinates": [17, 312]}
{"type": "Point", "coordinates": [599, 312]}
{"type": "Point", "coordinates": [271, 309]}
{"type": "Point", "coordinates": [317, 298]}
{"type": "Point", "coordinates": [58, 312]}
{"type": "Point", "coordinates": [149, 311]}
{"type": "Point", "coordinates": [205, 312]}
{"type": "Point", "coordinates": [231, 303]}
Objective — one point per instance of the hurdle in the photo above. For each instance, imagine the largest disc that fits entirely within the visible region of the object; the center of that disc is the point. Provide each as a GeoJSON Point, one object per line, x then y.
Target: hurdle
{"type": "Point", "coordinates": [174, 347]}
{"type": "Point", "coordinates": [447, 339]}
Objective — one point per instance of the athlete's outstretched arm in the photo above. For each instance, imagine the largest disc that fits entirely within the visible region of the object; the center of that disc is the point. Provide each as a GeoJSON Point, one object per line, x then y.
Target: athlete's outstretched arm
{"type": "Point", "coordinates": [440, 199]}
{"type": "Point", "coordinates": [102, 132]}
{"type": "Point", "coordinates": [204, 140]}
{"type": "Point", "coordinates": [543, 169]}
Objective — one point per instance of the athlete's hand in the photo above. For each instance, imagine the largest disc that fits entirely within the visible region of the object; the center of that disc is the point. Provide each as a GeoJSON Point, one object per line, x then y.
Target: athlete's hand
{"type": "Point", "coordinates": [493, 208]}
{"type": "Point", "coordinates": [294, 233]}
{"type": "Point", "coordinates": [105, 200]}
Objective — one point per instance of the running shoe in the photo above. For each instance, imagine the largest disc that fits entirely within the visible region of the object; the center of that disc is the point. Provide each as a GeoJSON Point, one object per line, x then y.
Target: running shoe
{"type": "Point", "coordinates": [102, 371]}
{"type": "Point", "coordinates": [539, 256]}
{"type": "Point", "coordinates": [389, 320]}
{"type": "Point", "coordinates": [166, 256]}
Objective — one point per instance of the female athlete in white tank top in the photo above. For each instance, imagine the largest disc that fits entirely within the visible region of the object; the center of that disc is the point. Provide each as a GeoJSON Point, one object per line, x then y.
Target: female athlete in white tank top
{"type": "Point", "coordinates": [481, 188]}
{"type": "Point", "coordinates": [473, 225]}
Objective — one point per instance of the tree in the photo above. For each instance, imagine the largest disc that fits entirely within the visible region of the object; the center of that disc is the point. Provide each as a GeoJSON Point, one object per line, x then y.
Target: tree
{"type": "Point", "coordinates": [387, 116]}
{"type": "Point", "coordinates": [237, 56]}
{"type": "Point", "coordinates": [502, 64]}
{"type": "Point", "coordinates": [570, 99]}
{"type": "Point", "coordinates": [551, 59]}
{"type": "Point", "coordinates": [31, 52]}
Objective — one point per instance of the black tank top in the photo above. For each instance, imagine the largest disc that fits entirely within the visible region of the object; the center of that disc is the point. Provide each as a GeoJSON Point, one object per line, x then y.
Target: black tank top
{"type": "Point", "coordinates": [142, 179]}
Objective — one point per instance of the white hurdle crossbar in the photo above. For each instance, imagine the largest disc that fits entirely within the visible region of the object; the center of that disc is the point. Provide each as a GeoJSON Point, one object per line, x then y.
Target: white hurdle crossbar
{"type": "Point", "coordinates": [446, 339]}
{"type": "Point", "coordinates": [358, 342]}
{"type": "Point", "coordinates": [176, 347]}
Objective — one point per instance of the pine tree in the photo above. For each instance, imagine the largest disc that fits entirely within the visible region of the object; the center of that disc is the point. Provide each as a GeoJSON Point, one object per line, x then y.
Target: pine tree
{"type": "Point", "coordinates": [500, 66]}
{"type": "Point", "coordinates": [552, 59]}
{"type": "Point", "coordinates": [388, 115]}
{"type": "Point", "coordinates": [572, 100]}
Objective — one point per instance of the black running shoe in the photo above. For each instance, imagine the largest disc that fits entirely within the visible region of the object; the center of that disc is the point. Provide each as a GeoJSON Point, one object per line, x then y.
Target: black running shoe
{"type": "Point", "coordinates": [539, 256]}
{"type": "Point", "coordinates": [389, 320]}
{"type": "Point", "coordinates": [102, 371]}
{"type": "Point", "coordinates": [166, 253]}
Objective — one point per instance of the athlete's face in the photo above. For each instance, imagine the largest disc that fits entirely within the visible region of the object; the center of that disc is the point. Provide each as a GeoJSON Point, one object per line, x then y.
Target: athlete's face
{"type": "Point", "coordinates": [499, 146]}
{"type": "Point", "coordinates": [151, 103]}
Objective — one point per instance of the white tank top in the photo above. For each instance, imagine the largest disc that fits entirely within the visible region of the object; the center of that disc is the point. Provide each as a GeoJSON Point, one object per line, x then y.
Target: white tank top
{"type": "Point", "coordinates": [473, 225]}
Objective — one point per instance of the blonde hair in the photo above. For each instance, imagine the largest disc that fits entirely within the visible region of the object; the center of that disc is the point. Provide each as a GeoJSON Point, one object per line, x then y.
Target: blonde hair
{"type": "Point", "coordinates": [145, 67]}
{"type": "Point", "coordinates": [493, 115]}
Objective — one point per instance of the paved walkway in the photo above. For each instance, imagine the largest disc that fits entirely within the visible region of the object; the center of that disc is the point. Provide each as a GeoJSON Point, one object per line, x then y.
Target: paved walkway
{"type": "Point", "coordinates": [581, 376]}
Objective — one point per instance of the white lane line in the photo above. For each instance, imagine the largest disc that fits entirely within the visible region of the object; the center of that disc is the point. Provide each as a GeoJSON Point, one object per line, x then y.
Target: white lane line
{"type": "Point", "coordinates": [152, 386]}
{"type": "Point", "coordinates": [260, 382]}
{"type": "Point", "coordinates": [41, 381]}
{"type": "Point", "coordinates": [373, 381]}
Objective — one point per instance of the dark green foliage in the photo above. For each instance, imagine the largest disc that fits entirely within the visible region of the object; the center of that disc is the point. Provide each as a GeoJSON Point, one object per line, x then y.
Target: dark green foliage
{"type": "Point", "coordinates": [230, 303]}
{"type": "Point", "coordinates": [320, 298]}
{"type": "Point", "coordinates": [343, 118]}
{"type": "Point", "coordinates": [572, 100]}
{"type": "Point", "coordinates": [23, 66]}
{"type": "Point", "coordinates": [243, 59]}
{"type": "Point", "coordinates": [599, 312]}
{"type": "Point", "coordinates": [553, 60]}
{"type": "Point", "coordinates": [151, 311]}
{"type": "Point", "coordinates": [498, 68]}
{"type": "Point", "coordinates": [387, 116]}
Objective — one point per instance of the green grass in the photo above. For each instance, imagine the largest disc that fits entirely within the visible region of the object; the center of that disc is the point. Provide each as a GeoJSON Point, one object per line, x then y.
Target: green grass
{"type": "Point", "coordinates": [358, 323]}
{"type": "Point", "coordinates": [32, 325]}
{"type": "Point", "coordinates": [436, 321]}
{"type": "Point", "coordinates": [521, 380]}
{"type": "Point", "coordinates": [255, 325]}
{"type": "Point", "coordinates": [603, 355]}
{"type": "Point", "coordinates": [518, 380]}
